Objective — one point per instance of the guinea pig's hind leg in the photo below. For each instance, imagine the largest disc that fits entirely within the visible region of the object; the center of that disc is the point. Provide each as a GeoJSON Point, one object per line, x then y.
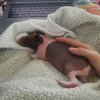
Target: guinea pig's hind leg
{"type": "Point", "coordinates": [73, 81]}
{"type": "Point", "coordinates": [84, 74]}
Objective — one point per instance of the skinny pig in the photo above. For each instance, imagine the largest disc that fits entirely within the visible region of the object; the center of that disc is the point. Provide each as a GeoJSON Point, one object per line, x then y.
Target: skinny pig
{"type": "Point", "coordinates": [59, 56]}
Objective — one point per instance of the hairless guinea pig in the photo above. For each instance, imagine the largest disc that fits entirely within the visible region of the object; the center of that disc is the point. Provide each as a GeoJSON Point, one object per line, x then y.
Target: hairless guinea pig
{"type": "Point", "coordinates": [59, 56]}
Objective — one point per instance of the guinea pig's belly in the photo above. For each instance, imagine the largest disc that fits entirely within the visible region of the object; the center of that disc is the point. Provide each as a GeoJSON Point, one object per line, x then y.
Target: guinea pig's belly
{"type": "Point", "coordinates": [59, 56]}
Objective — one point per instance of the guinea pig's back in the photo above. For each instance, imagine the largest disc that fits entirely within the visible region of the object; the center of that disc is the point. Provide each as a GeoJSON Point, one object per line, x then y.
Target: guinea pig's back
{"type": "Point", "coordinates": [59, 56]}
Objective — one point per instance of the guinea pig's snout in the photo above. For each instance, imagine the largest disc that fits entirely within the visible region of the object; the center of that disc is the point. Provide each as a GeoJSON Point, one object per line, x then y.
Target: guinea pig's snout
{"type": "Point", "coordinates": [31, 41]}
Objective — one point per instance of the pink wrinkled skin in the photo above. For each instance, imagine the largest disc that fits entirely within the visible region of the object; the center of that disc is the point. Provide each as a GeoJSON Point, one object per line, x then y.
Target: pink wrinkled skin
{"type": "Point", "coordinates": [42, 47]}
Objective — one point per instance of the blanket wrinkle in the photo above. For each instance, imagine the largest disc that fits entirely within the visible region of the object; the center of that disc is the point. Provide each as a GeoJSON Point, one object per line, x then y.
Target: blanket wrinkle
{"type": "Point", "coordinates": [22, 78]}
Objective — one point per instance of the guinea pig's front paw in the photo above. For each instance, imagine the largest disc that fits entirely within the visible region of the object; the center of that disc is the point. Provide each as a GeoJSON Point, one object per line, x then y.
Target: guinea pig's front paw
{"type": "Point", "coordinates": [33, 56]}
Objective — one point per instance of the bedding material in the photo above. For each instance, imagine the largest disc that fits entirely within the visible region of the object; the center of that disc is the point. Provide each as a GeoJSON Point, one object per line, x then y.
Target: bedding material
{"type": "Point", "coordinates": [22, 78]}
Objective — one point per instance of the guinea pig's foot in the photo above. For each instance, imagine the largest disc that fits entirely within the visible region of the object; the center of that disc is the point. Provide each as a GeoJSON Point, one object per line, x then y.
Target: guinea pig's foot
{"type": "Point", "coordinates": [84, 79]}
{"type": "Point", "coordinates": [68, 84]}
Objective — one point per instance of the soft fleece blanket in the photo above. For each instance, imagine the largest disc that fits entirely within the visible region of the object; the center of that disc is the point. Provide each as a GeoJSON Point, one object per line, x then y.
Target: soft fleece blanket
{"type": "Point", "coordinates": [22, 78]}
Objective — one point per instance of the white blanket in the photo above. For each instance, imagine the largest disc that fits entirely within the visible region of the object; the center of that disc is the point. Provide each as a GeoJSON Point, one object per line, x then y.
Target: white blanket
{"type": "Point", "coordinates": [22, 78]}
{"type": "Point", "coordinates": [49, 26]}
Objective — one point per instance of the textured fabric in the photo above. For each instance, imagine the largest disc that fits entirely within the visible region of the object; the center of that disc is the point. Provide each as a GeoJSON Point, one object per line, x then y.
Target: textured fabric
{"type": "Point", "coordinates": [22, 78]}
{"type": "Point", "coordinates": [96, 2]}
{"type": "Point", "coordinates": [88, 5]}
{"type": "Point", "coordinates": [81, 2]}
{"type": "Point", "coordinates": [92, 8]}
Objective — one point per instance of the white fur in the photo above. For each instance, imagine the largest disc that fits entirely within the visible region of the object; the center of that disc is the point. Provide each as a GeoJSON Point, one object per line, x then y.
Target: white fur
{"type": "Point", "coordinates": [21, 35]}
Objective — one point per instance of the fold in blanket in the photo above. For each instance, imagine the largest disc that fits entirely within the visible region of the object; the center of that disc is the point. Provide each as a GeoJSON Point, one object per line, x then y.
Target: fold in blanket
{"type": "Point", "coordinates": [60, 23]}
{"type": "Point", "coordinates": [22, 78]}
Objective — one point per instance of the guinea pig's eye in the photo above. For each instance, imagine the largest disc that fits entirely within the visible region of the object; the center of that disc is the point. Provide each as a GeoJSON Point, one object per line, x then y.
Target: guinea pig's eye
{"type": "Point", "coordinates": [37, 37]}
{"type": "Point", "coordinates": [27, 39]}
